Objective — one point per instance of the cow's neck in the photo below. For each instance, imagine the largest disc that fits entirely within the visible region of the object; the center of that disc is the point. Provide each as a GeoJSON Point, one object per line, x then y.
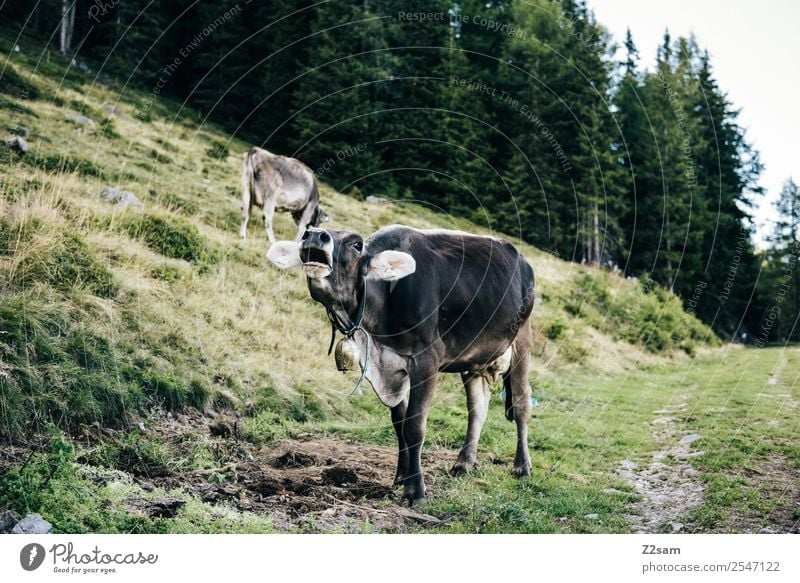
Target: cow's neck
{"type": "Point", "coordinates": [350, 316]}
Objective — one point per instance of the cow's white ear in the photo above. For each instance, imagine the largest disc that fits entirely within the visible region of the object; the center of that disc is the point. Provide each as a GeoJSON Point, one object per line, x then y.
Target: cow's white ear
{"type": "Point", "coordinates": [285, 254]}
{"type": "Point", "coordinates": [391, 265]}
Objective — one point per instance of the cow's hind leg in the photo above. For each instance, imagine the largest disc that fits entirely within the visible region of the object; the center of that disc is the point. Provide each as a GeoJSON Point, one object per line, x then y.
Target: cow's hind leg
{"type": "Point", "coordinates": [398, 416]}
{"type": "Point", "coordinates": [245, 219]}
{"type": "Point", "coordinates": [478, 395]}
{"type": "Point", "coordinates": [518, 397]}
{"type": "Point", "coordinates": [268, 214]}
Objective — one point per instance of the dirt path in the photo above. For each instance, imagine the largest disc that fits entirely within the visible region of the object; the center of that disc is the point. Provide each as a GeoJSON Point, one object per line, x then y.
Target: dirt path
{"type": "Point", "coordinates": [668, 486]}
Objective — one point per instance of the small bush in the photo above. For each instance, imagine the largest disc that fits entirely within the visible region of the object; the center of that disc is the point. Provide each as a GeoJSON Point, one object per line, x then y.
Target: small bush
{"type": "Point", "coordinates": [159, 157]}
{"type": "Point", "coordinates": [166, 273]}
{"type": "Point", "coordinates": [556, 330]}
{"type": "Point", "coordinates": [108, 129]}
{"type": "Point", "coordinates": [218, 150]}
{"type": "Point", "coordinates": [75, 265]}
{"type": "Point", "coordinates": [171, 237]}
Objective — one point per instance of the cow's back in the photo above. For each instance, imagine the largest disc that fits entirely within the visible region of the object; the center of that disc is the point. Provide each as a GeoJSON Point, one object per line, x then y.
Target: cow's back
{"type": "Point", "coordinates": [471, 291]}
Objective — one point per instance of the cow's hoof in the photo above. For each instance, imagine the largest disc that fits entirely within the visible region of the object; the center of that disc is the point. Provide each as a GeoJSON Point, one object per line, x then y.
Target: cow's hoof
{"type": "Point", "coordinates": [415, 501]}
{"type": "Point", "coordinates": [461, 468]}
{"type": "Point", "coordinates": [413, 494]}
{"type": "Point", "coordinates": [399, 479]}
{"type": "Point", "coordinates": [521, 471]}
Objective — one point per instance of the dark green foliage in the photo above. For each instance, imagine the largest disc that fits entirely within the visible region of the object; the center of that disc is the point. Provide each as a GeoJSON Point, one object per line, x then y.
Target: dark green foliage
{"type": "Point", "coordinates": [218, 150]}
{"type": "Point", "coordinates": [171, 237]}
{"type": "Point", "coordinates": [777, 315]}
{"type": "Point", "coordinates": [108, 129]}
{"type": "Point", "coordinates": [73, 264]}
{"type": "Point", "coordinates": [556, 330]}
{"type": "Point", "coordinates": [652, 317]}
{"type": "Point", "coordinates": [159, 157]}
{"type": "Point", "coordinates": [166, 273]}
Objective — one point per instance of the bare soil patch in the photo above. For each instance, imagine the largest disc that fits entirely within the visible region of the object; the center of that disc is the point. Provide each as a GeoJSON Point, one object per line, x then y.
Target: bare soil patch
{"type": "Point", "coordinates": [310, 484]}
{"type": "Point", "coordinates": [776, 481]}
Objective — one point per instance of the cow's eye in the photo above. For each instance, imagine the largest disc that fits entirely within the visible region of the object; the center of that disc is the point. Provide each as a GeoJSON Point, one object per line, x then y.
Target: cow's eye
{"type": "Point", "coordinates": [357, 245]}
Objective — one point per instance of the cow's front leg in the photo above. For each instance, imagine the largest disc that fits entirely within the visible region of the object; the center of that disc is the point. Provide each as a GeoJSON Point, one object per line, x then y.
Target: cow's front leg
{"type": "Point", "coordinates": [398, 416]}
{"type": "Point", "coordinates": [478, 394]}
{"type": "Point", "coordinates": [305, 219]}
{"type": "Point", "coordinates": [423, 382]}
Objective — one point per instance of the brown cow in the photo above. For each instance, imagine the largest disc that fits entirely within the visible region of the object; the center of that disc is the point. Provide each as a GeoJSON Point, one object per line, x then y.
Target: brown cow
{"type": "Point", "coordinates": [273, 183]}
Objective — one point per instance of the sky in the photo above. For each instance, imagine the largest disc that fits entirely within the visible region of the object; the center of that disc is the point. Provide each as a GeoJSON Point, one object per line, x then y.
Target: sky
{"type": "Point", "coordinates": [755, 54]}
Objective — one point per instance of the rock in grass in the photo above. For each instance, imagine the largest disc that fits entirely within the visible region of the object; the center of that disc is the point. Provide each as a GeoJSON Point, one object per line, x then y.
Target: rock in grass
{"type": "Point", "coordinates": [121, 197]}
{"type": "Point", "coordinates": [691, 438]}
{"type": "Point", "coordinates": [32, 524]}
{"type": "Point", "coordinates": [592, 516]}
{"type": "Point", "coordinates": [8, 520]}
{"type": "Point", "coordinates": [81, 120]}
{"type": "Point", "coordinates": [17, 144]}
{"type": "Point", "coordinates": [376, 199]}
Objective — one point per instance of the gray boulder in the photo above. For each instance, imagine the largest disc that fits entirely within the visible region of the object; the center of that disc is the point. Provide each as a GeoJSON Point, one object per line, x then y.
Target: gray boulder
{"type": "Point", "coordinates": [32, 524]}
{"type": "Point", "coordinates": [17, 144]}
{"type": "Point", "coordinates": [8, 520]}
{"type": "Point", "coordinates": [81, 120]}
{"type": "Point", "coordinates": [122, 197]}
{"type": "Point", "coordinates": [376, 200]}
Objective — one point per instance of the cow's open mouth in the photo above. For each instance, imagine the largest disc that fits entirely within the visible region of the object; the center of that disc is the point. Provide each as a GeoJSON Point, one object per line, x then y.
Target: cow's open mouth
{"type": "Point", "coordinates": [315, 256]}
{"type": "Point", "coordinates": [316, 261]}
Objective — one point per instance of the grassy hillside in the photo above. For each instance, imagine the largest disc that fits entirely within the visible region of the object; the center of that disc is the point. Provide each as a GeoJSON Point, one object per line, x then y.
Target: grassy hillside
{"type": "Point", "coordinates": [113, 319]}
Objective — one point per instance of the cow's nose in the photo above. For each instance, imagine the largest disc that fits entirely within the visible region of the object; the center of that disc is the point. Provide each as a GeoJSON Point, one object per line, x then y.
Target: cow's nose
{"type": "Point", "coordinates": [305, 236]}
{"type": "Point", "coordinates": [324, 237]}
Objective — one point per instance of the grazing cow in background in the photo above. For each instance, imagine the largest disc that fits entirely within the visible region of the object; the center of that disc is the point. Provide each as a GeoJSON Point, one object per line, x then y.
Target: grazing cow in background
{"type": "Point", "coordinates": [412, 303]}
{"type": "Point", "coordinates": [273, 183]}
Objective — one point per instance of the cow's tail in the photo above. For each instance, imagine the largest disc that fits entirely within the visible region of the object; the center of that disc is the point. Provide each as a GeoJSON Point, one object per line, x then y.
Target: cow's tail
{"type": "Point", "coordinates": [250, 194]}
{"type": "Point", "coordinates": [515, 380]}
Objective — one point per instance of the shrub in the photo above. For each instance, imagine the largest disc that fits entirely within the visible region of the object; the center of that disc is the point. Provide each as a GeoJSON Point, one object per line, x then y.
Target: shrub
{"type": "Point", "coordinates": [556, 330]}
{"type": "Point", "coordinates": [171, 237]}
{"type": "Point", "coordinates": [166, 273]}
{"type": "Point", "coordinates": [218, 150]}
{"type": "Point", "coordinates": [159, 157]}
{"type": "Point", "coordinates": [75, 265]}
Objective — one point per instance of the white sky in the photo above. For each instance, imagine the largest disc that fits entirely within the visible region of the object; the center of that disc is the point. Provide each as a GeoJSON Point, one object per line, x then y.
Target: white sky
{"type": "Point", "coordinates": [755, 53]}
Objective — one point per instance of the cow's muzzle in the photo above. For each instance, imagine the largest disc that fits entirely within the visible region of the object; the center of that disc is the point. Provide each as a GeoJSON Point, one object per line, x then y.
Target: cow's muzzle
{"type": "Point", "coordinates": [316, 253]}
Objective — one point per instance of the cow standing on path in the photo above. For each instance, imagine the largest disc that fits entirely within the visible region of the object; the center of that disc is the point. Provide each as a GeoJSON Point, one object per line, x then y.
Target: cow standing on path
{"type": "Point", "coordinates": [412, 303]}
{"type": "Point", "coordinates": [273, 183]}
